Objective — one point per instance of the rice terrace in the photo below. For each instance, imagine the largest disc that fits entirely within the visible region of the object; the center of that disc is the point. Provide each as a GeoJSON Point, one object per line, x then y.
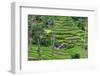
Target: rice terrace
{"type": "Point", "coordinates": [57, 37]}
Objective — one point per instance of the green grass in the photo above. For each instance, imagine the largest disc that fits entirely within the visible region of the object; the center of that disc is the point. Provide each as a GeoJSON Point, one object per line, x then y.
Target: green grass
{"type": "Point", "coordinates": [46, 53]}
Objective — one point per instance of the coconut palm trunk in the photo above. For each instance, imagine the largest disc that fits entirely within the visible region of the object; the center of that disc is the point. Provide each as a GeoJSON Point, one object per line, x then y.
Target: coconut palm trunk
{"type": "Point", "coordinates": [39, 51]}
{"type": "Point", "coordinates": [53, 44]}
{"type": "Point", "coordinates": [53, 40]}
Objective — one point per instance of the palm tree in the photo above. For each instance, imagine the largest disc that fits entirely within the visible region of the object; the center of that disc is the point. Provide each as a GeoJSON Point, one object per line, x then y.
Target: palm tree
{"type": "Point", "coordinates": [36, 30]}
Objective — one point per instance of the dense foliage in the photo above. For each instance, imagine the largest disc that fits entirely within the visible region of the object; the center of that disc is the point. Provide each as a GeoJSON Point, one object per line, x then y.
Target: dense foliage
{"type": "Point", "coordinates": [57, 37]}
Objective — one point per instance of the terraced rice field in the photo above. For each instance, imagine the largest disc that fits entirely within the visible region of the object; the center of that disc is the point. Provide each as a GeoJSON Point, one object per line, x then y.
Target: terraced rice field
{"type": "Point", "coordinates": [65, 40]}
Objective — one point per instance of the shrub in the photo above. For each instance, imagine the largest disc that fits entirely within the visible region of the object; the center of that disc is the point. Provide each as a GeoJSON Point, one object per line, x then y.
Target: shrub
{"type": "Point", "coordinates": [75, 56]}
